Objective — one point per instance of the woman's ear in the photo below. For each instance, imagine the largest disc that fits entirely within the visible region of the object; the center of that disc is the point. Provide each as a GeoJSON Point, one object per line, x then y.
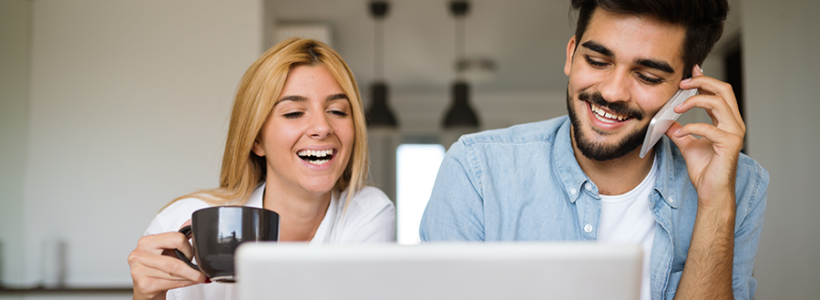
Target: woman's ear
{"type": "Point", "coordinates": [257, 148]}
{"type": "Point", "coordinates": [570, 53]}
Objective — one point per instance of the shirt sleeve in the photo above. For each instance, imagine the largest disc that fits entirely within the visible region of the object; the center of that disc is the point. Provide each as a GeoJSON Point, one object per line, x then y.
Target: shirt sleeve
{"type": "Point", "coordinates": [748, 228]}
{"type": "Point", "coordinates": [455, 211]}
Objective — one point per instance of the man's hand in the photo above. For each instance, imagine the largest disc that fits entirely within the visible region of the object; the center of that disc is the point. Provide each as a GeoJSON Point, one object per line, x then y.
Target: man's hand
{"type": "Point", "coordinates": [711, 160]}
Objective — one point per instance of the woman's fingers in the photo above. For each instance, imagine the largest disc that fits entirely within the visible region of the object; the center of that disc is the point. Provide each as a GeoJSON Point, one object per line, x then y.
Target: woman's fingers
{"type": "Point", "coordinates": [158, 243]}
{"type": "Point", "coordinates": [170, 268]}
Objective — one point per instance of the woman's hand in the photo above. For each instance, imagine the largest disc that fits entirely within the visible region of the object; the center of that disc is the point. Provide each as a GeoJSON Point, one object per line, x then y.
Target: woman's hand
{"type": "Point", "coordinates": [155, 269]}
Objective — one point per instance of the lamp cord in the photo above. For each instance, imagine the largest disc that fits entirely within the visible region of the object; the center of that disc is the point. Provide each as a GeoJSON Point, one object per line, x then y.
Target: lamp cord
{"type": "Point", "coordinates": [379, 49]}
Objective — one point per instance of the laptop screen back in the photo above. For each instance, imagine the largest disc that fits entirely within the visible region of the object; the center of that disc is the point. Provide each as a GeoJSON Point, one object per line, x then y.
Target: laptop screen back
{"type": "Point", "coordinates": [475, 271]}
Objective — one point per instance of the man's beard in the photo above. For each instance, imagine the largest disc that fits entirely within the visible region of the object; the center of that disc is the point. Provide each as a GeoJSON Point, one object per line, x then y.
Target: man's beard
{"type": "Point", "coordinates": [597, 151]}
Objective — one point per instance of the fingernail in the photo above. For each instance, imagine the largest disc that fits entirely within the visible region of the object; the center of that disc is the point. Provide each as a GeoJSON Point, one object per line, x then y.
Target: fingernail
{"type": "Point", "coordinates": [207, 280]}
{"type": "Point", "coordinates": [686, 80]}
{"type": "Point", "coordinates": [701, 69]}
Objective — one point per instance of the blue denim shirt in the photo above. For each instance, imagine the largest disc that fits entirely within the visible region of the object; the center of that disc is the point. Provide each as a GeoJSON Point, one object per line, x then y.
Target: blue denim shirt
{"type": "Point", "coordinates": [523, 184]}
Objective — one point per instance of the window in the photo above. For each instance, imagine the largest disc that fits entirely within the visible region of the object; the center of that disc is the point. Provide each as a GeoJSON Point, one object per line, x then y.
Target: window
{"type": "Point", "coordinates": [416, 169]}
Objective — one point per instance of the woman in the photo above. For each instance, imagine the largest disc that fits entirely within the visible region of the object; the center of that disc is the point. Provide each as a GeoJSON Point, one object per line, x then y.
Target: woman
{"type": "Point", "coordinates": [297, 130]}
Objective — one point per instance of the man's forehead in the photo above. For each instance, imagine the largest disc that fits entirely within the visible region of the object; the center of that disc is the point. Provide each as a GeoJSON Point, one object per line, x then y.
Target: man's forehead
{"type": "Point", "coordinates": [636, 36]}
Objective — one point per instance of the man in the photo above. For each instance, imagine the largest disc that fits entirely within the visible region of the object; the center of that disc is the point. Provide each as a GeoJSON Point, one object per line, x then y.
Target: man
{"type": "Point", "coordinates": [694, 203]}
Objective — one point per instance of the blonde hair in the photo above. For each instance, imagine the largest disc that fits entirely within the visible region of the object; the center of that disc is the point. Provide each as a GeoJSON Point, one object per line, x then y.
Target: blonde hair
{"type": "Point", "coordinates": [263, 82]}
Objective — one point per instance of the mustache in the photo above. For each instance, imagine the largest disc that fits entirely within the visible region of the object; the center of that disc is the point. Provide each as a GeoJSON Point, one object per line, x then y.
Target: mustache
{"type": "Point", "coordinates": [616, 107]}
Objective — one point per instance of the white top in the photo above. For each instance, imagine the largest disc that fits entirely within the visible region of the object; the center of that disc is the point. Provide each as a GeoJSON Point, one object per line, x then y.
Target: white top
{"type": "Point", "coordinates": [626, 218]}
{"type": "Point", "coordinates": [370, 217]}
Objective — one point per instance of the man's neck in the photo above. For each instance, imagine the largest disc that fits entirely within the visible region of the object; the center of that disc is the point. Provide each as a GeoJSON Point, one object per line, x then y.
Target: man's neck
{"type": "Point", "coordinates": [616, 176]}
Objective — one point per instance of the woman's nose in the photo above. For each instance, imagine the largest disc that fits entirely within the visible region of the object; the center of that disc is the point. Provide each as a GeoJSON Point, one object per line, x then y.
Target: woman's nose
{"type": "Point", "coordinates": [319, 126]}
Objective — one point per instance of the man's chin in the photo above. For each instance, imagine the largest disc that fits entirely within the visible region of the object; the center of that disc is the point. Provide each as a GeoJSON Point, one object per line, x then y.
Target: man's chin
{"type": "Point", "coordinates": [614, 148]}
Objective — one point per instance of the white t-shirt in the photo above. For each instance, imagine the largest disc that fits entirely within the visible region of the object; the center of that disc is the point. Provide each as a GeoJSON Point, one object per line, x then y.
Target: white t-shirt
{"type": "Point", "coordinates": [626, 218]}
{"type": "Point", "coordinates": [370, 217]}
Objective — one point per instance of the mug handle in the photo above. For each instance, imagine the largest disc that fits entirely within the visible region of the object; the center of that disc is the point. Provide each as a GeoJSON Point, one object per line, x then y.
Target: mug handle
{"type": "Point", "coordinates": [186, 231]}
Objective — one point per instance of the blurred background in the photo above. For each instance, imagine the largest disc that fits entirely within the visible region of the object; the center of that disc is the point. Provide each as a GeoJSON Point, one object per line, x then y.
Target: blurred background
{"type": "Point", "coordinates": [110, 109]}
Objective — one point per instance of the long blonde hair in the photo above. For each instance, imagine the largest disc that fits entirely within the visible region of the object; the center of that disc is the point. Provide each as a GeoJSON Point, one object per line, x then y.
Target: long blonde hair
{"type": "Point", "coordinates": [263, 82]}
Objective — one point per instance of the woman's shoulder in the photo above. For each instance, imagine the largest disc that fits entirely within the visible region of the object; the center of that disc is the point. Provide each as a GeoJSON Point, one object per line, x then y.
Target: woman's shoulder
{"type": "Point", "coordinates": [369, 198]}
{"type": "Point", "coordinates": [174, 215]}
{"type": "Point", "coordinates": [370, 217]}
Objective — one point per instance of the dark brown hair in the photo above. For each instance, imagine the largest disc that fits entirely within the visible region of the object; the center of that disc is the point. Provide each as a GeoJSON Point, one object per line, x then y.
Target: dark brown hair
{"type": "Point", "coordinates": [703, 20]}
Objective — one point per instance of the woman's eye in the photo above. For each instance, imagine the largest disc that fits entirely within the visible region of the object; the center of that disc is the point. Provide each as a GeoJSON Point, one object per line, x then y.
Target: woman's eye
{"type": "Point", "coordinates": [339, 113]}
{"type": "Point", "coordinates": [594, 63]}
{"type": "Point", "coordinates": [293, 115]}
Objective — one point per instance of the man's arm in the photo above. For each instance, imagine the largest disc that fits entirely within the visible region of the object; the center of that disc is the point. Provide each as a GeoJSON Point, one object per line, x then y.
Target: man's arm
{"type": "Point", "coordinates": [455, 211]}
{"type": "Point", "coordinates": [711, 160]}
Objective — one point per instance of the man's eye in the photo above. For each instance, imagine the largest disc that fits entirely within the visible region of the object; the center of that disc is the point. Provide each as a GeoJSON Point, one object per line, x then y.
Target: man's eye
{"type": "Point", "coordinates": [293, 115]}
{"type": "Point", "coordinates": [649, 80]}
{"type": "Point", "coordinates": [594, 63]}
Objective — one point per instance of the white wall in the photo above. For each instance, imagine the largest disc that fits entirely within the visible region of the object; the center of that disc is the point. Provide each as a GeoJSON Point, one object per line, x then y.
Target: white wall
{"type": "Point", "coordinates": [781, 47]}
{"type": "Point", "coordinates": [15, 37]}
{"type": "Point", "coordinates": [128, 109]}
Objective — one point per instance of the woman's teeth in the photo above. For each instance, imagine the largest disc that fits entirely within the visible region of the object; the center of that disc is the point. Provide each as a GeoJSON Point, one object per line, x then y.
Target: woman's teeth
{"type": "Point", "coordinates": [316, 157]}
{"type": "Point", "coordinates": [604, 116]}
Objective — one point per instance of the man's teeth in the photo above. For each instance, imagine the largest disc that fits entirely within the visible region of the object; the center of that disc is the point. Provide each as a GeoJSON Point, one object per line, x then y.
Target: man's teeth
{"type": "Point", "coordinates": [599, 112]}
{"type": "Point", "coordinates": [316, 153]}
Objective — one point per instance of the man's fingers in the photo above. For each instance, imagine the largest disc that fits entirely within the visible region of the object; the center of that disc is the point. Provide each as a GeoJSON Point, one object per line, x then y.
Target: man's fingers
{"type": "Point", "coordinates": [720, 138]}
{"type": "Point", "coordinates": [717, 108]}
{"type": "Point", "coordinates": [710, 86]}
{"type": "Point", "coordinates": [681, 141]}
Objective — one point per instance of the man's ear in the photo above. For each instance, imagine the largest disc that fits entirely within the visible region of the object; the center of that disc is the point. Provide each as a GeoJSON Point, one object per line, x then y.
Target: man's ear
{"type": "Point", "coordinates": [570, 53]}
{"type": "Point", "coordinates": [257, 148]}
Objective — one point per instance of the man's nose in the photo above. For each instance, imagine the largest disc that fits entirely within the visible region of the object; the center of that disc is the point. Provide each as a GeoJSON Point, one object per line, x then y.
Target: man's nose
{"type": "Point", "coordinates": [615, 87]}
{"type": "Point", "coordinates": [319, 126]}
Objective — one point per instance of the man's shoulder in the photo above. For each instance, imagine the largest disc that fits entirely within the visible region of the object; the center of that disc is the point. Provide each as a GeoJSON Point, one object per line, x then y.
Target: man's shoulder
{"type": "Point", "coordinates": [541, 131]}
{"type": "Point", "coordinates": [751, 174]}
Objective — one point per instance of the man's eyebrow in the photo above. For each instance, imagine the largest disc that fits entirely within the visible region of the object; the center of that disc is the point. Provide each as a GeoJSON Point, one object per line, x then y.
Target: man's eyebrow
{"type": "Point", "coordinates": [594, 46]}
{"type": "Point", "coordinates": [655, 64]}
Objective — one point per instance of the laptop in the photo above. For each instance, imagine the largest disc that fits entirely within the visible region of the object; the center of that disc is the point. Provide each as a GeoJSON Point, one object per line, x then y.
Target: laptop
{"type": "Point", "coordinates": [474, 271]}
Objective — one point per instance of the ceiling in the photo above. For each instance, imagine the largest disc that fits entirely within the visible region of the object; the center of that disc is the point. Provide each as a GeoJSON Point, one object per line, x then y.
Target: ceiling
{"type": "Point", "coordinates": [526, 39]}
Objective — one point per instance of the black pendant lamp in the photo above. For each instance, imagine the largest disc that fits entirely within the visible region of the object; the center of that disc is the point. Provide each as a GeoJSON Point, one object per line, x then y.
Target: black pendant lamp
{"type": "Point", "coordinates": [378, 114]}
{"type": "Point", "coordinates": [460, 114]}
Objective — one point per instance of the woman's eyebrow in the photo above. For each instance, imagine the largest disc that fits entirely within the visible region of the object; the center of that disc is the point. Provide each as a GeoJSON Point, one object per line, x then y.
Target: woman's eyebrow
{"type": "Point", "coordinates": [296, 98]}
{"type": "Point", "coordinates": [337, 97]}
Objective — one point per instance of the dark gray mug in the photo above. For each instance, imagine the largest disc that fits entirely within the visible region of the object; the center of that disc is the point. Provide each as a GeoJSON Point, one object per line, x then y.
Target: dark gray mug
{"type": "Point", "coordinates": [217, 231]}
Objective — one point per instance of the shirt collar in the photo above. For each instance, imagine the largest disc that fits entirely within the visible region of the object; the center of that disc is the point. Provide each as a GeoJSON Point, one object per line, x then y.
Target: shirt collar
{"type": "Point", "coordinates": [665, 183]}
{"type": "Point", "coordinates": [256, 197]}
{"type": "Point", "coordinates": [574, 179]}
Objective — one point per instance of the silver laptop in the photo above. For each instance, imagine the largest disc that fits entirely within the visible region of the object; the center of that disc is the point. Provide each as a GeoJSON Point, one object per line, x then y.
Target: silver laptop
{"type": "Point", "coordinates": [474, 271]}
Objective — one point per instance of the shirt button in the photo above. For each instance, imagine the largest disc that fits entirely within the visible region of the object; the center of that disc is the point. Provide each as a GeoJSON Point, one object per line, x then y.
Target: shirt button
{"type": "Point", "coordinates": [672, 199]}
{"type": "Point", "coordinates": [572, 191]}
{"type": "Point", "coordinates": [589, 188]}
{"type": "Point", "coordinates": [588, 228]}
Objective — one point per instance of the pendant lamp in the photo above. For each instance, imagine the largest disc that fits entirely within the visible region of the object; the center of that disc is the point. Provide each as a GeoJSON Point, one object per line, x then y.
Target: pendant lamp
{"type": "Point", "coordinates": [460, 114]}
{"type": "Point", "coordinates": [378, 113]}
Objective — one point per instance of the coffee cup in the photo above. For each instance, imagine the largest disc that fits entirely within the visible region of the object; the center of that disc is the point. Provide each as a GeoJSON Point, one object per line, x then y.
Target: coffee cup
{"type": "Point", "coordinates": [217, 231]}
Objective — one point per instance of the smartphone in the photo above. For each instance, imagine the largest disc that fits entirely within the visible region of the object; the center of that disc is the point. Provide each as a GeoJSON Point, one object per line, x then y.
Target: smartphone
{"type": "Point", "coordinates": [661, 122]}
